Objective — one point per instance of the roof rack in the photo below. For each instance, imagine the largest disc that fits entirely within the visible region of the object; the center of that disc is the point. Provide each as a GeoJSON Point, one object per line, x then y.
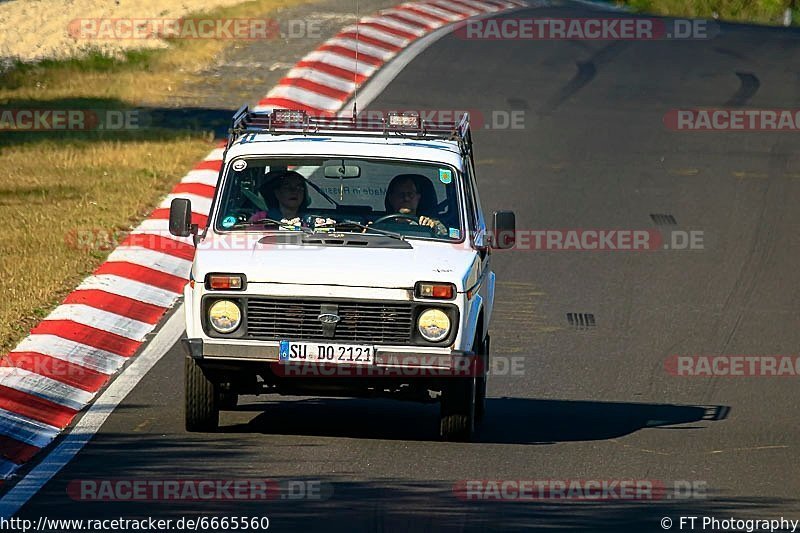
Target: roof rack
{"type": "Point", "coordinates": [295, 121]}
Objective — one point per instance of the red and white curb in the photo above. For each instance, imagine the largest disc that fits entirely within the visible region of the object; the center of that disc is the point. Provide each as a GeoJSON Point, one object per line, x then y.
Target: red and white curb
{"type": "Point", "coordinates": [59, 368]}
{"type": "Point", "coordinates": [324, 80]}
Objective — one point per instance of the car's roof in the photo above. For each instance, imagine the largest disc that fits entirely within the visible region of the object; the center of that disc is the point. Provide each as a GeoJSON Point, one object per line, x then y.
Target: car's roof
{"type": "Point", "coordinates": [357, 146]}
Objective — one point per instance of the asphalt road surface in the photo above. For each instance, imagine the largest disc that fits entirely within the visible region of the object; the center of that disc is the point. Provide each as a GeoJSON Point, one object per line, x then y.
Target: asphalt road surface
{"type": "Point", "coordinates": [591, 403]}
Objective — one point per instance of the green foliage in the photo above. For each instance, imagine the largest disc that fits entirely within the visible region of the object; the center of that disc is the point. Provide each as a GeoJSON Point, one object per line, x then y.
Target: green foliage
{"type": "Point", "coordinates": [756, 11]}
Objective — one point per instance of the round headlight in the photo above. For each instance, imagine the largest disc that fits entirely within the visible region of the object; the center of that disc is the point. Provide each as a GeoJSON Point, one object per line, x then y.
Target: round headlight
{"type": "Point", "coordinates": [225, 316]}
{"type": "Point", "coordinates": [433, 324]}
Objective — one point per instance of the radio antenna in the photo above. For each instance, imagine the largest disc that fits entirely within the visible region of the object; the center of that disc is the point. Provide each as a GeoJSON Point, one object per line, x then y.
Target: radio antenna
{"type": "Point", "coordinates": [355, 74]}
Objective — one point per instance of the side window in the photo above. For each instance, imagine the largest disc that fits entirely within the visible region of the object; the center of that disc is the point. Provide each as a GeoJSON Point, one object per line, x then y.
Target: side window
{"type": "Point", "coordinates": [474, 218]}
{"type": "Point", "coordinates": [476, 196]}
{"type": "Point", "coordinates": [471, 220]}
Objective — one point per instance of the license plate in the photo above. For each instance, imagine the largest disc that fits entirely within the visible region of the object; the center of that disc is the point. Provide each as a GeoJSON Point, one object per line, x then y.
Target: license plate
{"type": "Point", "coordinates": [314, 352]}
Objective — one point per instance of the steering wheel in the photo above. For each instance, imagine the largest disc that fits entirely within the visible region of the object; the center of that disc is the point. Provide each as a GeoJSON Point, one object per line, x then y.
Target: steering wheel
{"type": "Point", "coordinates": [385, 218]}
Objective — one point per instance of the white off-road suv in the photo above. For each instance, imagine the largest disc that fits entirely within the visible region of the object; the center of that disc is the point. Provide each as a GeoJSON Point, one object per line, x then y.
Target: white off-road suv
{"type": "Point", "coordinates": [342, 257]}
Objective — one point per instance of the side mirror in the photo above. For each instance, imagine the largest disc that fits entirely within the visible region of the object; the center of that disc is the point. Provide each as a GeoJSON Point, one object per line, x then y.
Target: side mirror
{"type": "Point", "coordinates": [504, 230]}
{"type": "Point", "coordinates": [180, 217]}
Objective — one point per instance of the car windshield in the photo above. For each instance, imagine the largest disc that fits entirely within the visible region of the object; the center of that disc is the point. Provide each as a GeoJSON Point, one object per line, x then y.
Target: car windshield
{"type": "Point", "coordinates": [343, 195]}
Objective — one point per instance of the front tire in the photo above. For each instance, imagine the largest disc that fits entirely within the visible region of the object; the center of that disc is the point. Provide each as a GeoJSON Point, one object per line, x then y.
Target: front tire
{"type": "Point", "coordinates": [457, 410]}
{"type": "Point", "coordinates": [201, 399]}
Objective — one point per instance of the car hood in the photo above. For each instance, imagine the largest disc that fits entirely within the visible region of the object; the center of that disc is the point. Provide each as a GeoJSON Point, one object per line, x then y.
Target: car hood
{"type": "Point", "coordinates": [351, 266]}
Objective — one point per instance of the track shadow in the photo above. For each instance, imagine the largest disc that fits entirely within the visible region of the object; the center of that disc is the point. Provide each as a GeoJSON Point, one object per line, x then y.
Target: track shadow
{"type": "Point", "coordinates": [341, 503]}
{"type": "Point", "coordinates": [91, 119]}
{"type": "Point", "coordinates": [508, 420]}
{"type": "Point", "coordinates": [521, 421]}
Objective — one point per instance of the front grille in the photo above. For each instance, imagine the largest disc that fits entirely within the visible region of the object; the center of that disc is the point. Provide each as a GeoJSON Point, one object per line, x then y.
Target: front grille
{"type": "Point", "coordinates": [360, 322]}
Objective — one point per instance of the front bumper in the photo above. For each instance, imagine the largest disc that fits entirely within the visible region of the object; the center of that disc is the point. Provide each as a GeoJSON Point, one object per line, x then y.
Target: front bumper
{"type": "Point", "coordinates": [414, 358]}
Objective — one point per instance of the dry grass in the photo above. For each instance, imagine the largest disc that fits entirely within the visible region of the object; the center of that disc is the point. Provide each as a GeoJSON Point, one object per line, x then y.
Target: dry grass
{"type": "Point", "coordinates": [52, 187]}
{"type": "Point", "coordinates": [146, 77]}
{"type": "Point", "coordinates": [50, 192]}
{"type": "Point", "coordinates": [758, 11]}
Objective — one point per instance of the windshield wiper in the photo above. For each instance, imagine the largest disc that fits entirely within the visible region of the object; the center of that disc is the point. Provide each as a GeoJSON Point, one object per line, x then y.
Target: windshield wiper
{"type": "Point", "coordinates": [273, 222]}
{"type": "Point", "coordinates": [309, 231]}
{"type": "Point", "coordinates": [370, 228]}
